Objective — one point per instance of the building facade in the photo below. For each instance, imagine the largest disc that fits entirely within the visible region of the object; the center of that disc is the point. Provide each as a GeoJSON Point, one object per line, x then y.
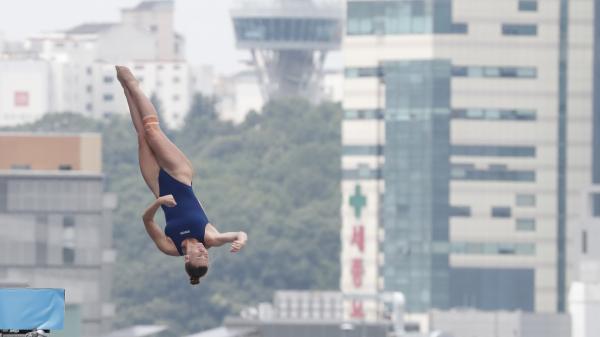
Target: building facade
{"type": "Point", "coordinates": [584, 289]}
{"type": "Point", "coordinates": [73, 70]}
{"type": "Point", "coordinates": [467, 140]}
{"type": "Point", "coordinates": [24, 91]}
{"type": "Point", "coordinates": [56, 224]}
{"type": "Point", "coordinates": [498, 324]}
{"type": "Point", "coordinates": [240, 93]}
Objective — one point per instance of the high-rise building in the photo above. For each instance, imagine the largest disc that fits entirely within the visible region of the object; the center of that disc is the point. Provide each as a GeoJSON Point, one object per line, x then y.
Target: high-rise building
{"type": "Point", "coordinates": [467, 140]}
{"type": "Point", "coordinates": [56, 223]}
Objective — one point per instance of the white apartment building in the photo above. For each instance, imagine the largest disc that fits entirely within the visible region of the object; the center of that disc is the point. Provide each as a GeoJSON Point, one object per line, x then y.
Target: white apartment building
{"type": "Point", "coordinates": [24, 91]}
{"type": "Point", "coordinates": [80, 61]}
{"type": "Point", "coordinates": [240, 93]}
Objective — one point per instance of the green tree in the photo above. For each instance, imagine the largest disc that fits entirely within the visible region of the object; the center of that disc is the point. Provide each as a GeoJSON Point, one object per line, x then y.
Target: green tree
{"type": "Point", "coordinates": [276, 176]}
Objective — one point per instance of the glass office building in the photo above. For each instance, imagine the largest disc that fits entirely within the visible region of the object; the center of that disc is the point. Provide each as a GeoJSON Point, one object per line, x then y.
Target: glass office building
{"type": "Point", "coordinates": [469, 128]}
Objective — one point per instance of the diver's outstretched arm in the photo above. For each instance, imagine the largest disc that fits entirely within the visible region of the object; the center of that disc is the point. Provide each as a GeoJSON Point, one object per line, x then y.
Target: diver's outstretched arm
{"type": "Point", "coordinates": [215, 239]}
{"type": "Point", "coordinates": [156, 234]}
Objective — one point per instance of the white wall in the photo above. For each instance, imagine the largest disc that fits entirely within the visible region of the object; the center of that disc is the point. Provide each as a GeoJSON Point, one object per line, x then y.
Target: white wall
{"type": "Point", "coordinates": [123, 43]}
{"type": "Point", "coordinates": [24, 91]}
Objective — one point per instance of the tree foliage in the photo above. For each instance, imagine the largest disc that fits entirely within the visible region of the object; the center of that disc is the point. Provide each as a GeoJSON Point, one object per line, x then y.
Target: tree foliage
{"type": "Point", "coordinates": [275, 176]}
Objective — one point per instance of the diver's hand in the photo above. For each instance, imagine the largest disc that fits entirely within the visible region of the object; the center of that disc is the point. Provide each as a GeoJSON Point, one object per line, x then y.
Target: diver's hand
{"type": "Point", "coordinates": [167, 200]}
{"type": "Point", "coordinates": [239, 243]}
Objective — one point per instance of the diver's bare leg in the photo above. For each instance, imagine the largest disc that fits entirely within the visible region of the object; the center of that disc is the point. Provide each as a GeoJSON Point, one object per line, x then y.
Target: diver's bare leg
{"type": "Point", "coordinates": [168, 156]}
{"type": "Point", "coordinates": [147, 161]}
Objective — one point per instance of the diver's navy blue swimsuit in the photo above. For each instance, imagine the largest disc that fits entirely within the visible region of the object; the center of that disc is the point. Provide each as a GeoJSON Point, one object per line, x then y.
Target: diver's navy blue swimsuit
{"type": "Point", "coordinates": [187, 219]}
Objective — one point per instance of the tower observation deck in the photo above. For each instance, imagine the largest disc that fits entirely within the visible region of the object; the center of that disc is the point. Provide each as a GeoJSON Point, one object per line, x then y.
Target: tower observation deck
{"type": "Point", "coordinates": [288, 41]}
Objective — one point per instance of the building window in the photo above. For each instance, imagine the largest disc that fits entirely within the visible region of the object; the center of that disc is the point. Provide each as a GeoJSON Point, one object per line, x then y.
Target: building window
{"type": "Point", "coordinates": [153, 28]}
{"type": "Point", "coordinates": [41, 219]}
{"type": "Point", "coordinates": [492, 248]}
{"type": "Point", "coordinates": [506, 249]}
{"type": "Point", "coordinates": [527, 72]}
{"type": "Point", "coordinates": [88, 107]}
{"type": "Point", "coordinates": [494, 173]}
{"type": "Point", "coordinates": [108, 97]}
{"type": "Point", "coordinates": [20, 167]}
{"type": "Point", "coordinates": [69, 239]}
{"type": "Point", "coordinates": [402, 209]}
{"type": "Point", "coordinates": [64, 167]}
{"type": "Point", "coordinates": [400, 17]}
{"type": "Point", "coordinates": [68, 256]}
{"type": "Point", "coordinates": [363, 114]}
{"type": "Point", "coordinates": [175, 98]}
{"type": "Point", "coordinates": [501, 212]}
{"type": "Point", "coordinates": [88, 89]}
{"type": "Point", "coordinates": [460, 211]}
{"type": "Point", "coordinates": [525, 224]}
{"type": "Point", "coordinates": [528, 5]}
{"type": "Point", "coordinates": [68, 221]}
{"type": "Point", "coordinates": [176, 79]}
{"type": "Point", "coordinates": [353, 72]}
{"type": "Point", "coordinates": [108, 79]}
{"type": "Point", "coordinates": [519, 29]}
{"type": "Point", "coordinates": [525, 200]}
{"type": "Point", "coordinates": [596, 205]}
{"type": "Point", "coordinates": [494, 114]}
{"type": "Point", "coordinates": [138, 67]}
{"type": "Point", "coordinates": [493, 151]}
{"type": "Point", "coordinates": [88, 70]}
{"type": "Point", "coordinates": [459, 28]}
{"type": "Point", "coordinates": [494, 72]}
{"type": "Point", "coordinates": [525, 249]}
{"type": "Point", "coordinates": [363, 172]}
{"type": "Point", "coordinates": [584, 241]}
{"type": "Point", "coordinates": [362, 150]}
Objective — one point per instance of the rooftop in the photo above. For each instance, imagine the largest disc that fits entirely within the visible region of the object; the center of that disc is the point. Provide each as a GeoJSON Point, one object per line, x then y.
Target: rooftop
{"type": "Point", "coordinates": [50, 173]}
{"type": "Point", "coordinates": [225, 332]}
{"type": "Point", "coordinates": [90, 28]}
{"type": "Point", "coordinates": [138, 331]}
{"type": "Point", "coordinates": [153, 4]}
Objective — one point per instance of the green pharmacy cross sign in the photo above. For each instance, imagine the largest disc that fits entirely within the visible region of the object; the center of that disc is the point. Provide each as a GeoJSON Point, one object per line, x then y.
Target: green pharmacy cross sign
{"type": "Point", "coordinates": [358, 201]}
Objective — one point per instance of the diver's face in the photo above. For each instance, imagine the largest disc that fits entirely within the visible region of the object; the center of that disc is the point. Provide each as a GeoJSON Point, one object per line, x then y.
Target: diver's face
{"type": "Point", "coordinates": [197, 255]}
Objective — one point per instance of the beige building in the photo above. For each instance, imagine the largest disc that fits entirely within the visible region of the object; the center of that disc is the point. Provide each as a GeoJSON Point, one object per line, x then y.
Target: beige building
{"type": "Point", "coordinates": [56, 223]}
{"type": "Point", "coordinates": [51, 152]}
{"type": "Point", "coordinates": [467, 140]}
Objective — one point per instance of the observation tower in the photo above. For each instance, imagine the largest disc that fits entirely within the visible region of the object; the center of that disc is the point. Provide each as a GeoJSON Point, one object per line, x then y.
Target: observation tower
{"type": "Point", "coordinates": [288, 41]}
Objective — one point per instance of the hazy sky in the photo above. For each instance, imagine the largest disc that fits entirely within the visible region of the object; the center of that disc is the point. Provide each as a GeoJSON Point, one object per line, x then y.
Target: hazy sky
{"type": "Point", "coordinates": [205, 24]}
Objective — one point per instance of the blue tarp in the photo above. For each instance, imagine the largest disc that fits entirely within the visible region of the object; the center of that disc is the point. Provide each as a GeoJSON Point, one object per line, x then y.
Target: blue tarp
{"type": "Point", "coordinates": [28, 309]}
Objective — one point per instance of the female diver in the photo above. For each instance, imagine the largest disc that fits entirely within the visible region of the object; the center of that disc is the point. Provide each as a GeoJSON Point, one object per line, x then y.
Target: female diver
{"type": "Point", "coordinates": [168, 173]}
